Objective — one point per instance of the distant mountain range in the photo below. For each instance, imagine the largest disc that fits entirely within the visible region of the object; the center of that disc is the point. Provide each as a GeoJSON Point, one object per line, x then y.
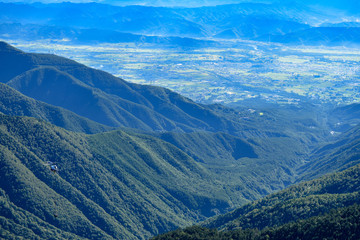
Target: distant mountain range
{"type": "Point", "coordinates": [30, 32]}
{"type": "Point", "coordinates": [326, 36]}
{"type": "Point", "coordinates": [296, 22]}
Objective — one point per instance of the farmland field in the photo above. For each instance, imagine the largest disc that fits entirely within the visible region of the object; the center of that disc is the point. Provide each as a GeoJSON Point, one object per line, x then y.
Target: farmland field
{"type": "Point", "coordinates": [227, 74]}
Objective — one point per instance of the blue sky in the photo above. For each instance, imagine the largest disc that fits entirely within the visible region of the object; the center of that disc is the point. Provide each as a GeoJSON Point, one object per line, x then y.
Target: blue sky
{"type": "Point", "coordinates": [352, 5]}
{"type": "Point", "coordinates": [145, 2]}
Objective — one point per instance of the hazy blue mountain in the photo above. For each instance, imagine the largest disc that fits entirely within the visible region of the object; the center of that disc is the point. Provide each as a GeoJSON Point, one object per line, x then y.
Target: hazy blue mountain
{"type": "Point", "coordinates": [342, 24]}
{"type": "Point", "coordinates": [133, 19]}
{"type": "Point", "coordinates": [94, 22]}
{"type": "Point", "coordinates": [328, 36]}
{"type": "Point", "coordinates": [153, 21]}
{"type": "Point", "coordinates": [173, 3]}
{"type": "Point", "coordinates": [352, 6]}
{"type": "Point", "coordinates": [31, 32]}
{"type": "Point", "coordinates": [254, 27]}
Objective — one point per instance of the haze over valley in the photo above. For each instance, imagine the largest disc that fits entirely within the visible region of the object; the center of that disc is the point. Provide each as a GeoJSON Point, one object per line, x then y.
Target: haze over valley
{"type": "Point", "coordinates": [176, 120]}
{"type": "Point", "coordinates": [277, 52]}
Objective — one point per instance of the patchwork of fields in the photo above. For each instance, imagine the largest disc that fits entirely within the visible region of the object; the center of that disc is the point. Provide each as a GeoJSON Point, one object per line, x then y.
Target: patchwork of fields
{"type": "Point", "coordinates": [229, 73]}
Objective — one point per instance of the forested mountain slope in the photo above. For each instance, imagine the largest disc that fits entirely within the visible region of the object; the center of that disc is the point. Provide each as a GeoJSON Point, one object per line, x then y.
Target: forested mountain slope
{"type": "Point", "coordinates": [112, 185]}
{"type": "Point", "coordinates": [335, 156]}
{"type": "Point", "coordinates": [271, 141]}
{"type": "Point", "coordinates": [104, 98]}
{"type": "Point", "coordinates": [14, 103]}
{"type": "Point", "coordinates": [180, 162]}
{"type": "Point", "coordinates": [301, 201]}
{"type": "Point", "coordinates": [327, 207]}
{"type": "Point", "coordinates": [337, 224]}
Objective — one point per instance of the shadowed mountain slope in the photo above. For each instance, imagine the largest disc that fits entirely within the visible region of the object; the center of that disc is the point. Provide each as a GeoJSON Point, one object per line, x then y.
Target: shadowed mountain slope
{"type": "Point", "coordinates": [103, 97]}
{"type": "Point", "coordinates": [58, 88]}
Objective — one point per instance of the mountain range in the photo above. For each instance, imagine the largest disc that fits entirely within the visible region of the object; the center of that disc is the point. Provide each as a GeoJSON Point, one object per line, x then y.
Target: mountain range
{"type": "Point", "coordinates": [110, 102]}
{"type": "Point", "coordinates": [286, 22]}
{"type": "Point", "coordinates": [102, 97]}
{"type": "Point", "coordinates": [136, 160]}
